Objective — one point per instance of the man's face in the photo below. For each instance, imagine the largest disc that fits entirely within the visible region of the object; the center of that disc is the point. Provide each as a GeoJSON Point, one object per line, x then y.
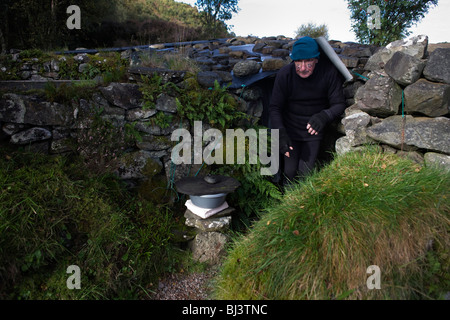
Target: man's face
{"type": "Point", "coordinates": [305, 68]}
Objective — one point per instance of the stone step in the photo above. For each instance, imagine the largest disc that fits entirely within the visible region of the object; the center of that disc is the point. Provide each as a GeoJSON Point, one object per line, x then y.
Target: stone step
{"type": "Point", "coordinates": [217, 222]}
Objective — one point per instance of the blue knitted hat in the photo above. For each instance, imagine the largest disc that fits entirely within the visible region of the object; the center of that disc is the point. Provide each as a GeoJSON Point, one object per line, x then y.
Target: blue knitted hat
{"type": "Point", "coordinates": [305, 48]}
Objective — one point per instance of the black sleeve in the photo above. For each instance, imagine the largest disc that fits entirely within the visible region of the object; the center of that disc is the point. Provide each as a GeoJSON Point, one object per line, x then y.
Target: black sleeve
{"type": "Point", "coordinates": [278, 100]}
{"type": "Point", "coordinates": [336, 98]}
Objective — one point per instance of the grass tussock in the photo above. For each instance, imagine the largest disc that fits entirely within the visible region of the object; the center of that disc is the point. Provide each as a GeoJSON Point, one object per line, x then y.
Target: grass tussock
{"type": "Point", "coordinates": [54, 214]}
{"type": "Point", "coordinates": [178, 61]}
{"type": "Point", "coordinates": [363, 209]}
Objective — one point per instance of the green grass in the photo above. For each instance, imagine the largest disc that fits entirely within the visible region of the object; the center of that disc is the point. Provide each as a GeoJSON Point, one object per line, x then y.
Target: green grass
{"type": "Point", "coordinates": [54, 214]}
{"type": "Point", "coordinates": [363, 209]}
{"type": "Point", "coordinates": [173, 61]}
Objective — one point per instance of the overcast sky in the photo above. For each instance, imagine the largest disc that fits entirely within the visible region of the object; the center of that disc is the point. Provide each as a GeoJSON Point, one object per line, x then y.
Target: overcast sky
{"type": "Point", "coordinates": [283, 17]}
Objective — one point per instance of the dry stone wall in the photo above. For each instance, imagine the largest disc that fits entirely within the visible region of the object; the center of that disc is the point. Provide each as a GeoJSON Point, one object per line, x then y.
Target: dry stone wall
{"type": "Point", "coordinates": [399, 99]}
{"type": "Point", "coordinates": [404, 104]}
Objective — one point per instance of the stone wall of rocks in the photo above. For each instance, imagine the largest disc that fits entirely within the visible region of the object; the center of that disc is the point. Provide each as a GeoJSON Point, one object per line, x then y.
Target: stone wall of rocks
{"type": "Point", "coordinates": [404, 105]}
{"type": "Point", "coordinates": [399, 99]}
{"type": "Point", "coordinates": [374, 99]}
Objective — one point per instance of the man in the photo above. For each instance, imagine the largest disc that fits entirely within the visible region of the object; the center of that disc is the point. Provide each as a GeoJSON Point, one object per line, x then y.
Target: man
{"type": "Point", "coordinates": [307, 95]}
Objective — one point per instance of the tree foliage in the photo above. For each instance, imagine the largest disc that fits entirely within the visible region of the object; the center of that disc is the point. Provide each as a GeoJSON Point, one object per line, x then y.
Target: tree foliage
{"type": "Point", "coordinates": [396, 18]}
{"type": "Point", "coordinates": [28, 24]}
{"type": "Point", "coordinates": [312, 30]}
{"type": "Point", "coordinates": [216, 12]}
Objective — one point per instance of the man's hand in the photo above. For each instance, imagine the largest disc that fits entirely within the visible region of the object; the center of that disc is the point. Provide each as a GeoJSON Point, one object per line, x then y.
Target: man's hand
{"type": "Point", "coordinates": [311, 131]}
{"type": "Point", "coordinates": [287, 152]}
{"type": "Point", "coordinates": [285, 142]}
{"type": "Point", "coordinates": [317, 122]}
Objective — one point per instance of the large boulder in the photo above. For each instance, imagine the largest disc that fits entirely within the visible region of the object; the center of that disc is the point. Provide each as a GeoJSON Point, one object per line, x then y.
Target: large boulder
{"type": "Point", "coordinates": [355, 128]}
{"type": "Point", "coordinates": [419, 133]}
{"type": "Point", "coordinates": [31, 109]}
{"type": "Point", "coordinates": [415, 46]}
{"type": "Point", "coordinates": [345, 144]}
{"type": "Point", "coordinates": [123, 95]}
{"type": "Point", "coordinates": [209, 247]}
{"type": "Point", "coordinates": [404, 69]}
{"type": "Point", "coordinates": [251, 93]}
{"type": "Point", "coordinates": [280, 53]}
{"type": "Point", "coordinates": [357, 50]}
{"type": "Point", "coordinates": [246, 68]}
{"type": "Point", "coordinates": [166, 103]}
{"type": "Point", "coordinates": [427, 98]}
{"type": "Point", "coordinates": [139, 165]}
{"type": "Point", "coordinates": [438, 66]}
{"type": "Point", "coordinates": [381, 96]}
{"type": "Point", "coordinates": [207, 78]}
{"type": "Point", "coordinates": [271, 64]}
{"type": "Point", "coordinates": [276, 43]}
{"type": "Point", "coordinates": [440, 161]}
{"type": "Point", "coordinates": [31, 135]}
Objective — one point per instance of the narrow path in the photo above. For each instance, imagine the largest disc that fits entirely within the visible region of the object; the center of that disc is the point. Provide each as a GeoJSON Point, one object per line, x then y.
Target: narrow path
{"type": "Point", "coordinates": [186, 286]}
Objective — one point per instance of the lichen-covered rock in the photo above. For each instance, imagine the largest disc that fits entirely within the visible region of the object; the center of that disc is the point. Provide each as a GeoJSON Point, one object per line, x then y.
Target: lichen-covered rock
{"type": "Point", "coordinates": [440, 161]}
{"type": "Point", "coordinates": [438, 66]}
{"type": "Point", "coordinates": [207, 78]}
{"type": "Point", "coordinates": [166, 103]}
{"type": "Point", "coordinates": [209, 247]}
{"type": "Point", "coordinates": [139, 165]}
{"type": "Point", "coordinates": [273, 64]}
{"type": "Point", "coordinates": [246, 67]}
{"type": "Point", "coordinates": [123, 95]}
{"type": "Point", "coordinates": [381, 96]}
{"type": "Point", "coordinates": [427, 98]}
{"type": "Point", "coordinates": [414, 46]}
{"type": "Point", "coordinates": [32, 109]}
{"type": "Point", "coordinates": [31, 135]}
{"type": "Point", "coordinates": [404, 69]}
{"type": "Point", "coordinates": [355, 128]}
{"type": "Point", "coordinates": [432, 134]}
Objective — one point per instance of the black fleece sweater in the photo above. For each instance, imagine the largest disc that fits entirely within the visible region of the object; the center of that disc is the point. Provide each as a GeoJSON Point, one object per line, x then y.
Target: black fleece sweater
{"type": "Point", "coordinates": [294, 99]}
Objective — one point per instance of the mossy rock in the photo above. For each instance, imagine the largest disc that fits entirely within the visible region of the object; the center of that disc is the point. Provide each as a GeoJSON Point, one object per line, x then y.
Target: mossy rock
{"type": "Point", "coordinates": [154, 189]}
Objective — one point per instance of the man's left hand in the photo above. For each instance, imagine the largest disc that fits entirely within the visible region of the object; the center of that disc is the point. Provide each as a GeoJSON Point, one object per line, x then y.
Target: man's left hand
{"type": "Point", "coordinates": [311, 131]}
{"type": "Point", "coordinates": [317, 122]}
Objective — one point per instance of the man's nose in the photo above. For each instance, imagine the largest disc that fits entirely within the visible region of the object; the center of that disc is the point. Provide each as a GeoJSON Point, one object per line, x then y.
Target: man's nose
{"type": "Point", "coordinates": [303, 66]}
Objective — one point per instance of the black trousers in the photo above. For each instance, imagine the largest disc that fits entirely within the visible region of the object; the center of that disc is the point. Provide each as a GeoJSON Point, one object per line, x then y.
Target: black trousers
{"type": "Point", "coordinates": [301, 161]}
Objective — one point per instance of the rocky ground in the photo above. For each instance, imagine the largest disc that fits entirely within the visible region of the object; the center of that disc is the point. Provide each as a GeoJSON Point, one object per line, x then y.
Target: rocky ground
{"type": "Point", "coordinates": [186, 286]}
